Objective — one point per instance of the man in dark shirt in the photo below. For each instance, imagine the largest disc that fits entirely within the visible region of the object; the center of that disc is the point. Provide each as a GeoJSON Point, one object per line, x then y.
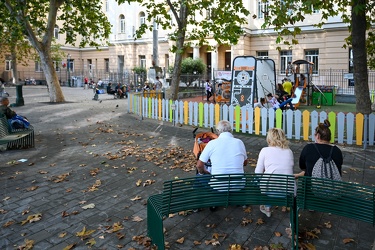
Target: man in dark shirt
{"type": "Point", "coordinates": [4, 109]}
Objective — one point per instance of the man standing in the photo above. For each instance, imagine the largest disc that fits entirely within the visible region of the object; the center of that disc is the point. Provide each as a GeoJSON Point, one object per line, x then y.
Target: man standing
{"type": "Point", "coordinates": [208, 89]}
{"type": "Point", "coordinates": [227, 154]}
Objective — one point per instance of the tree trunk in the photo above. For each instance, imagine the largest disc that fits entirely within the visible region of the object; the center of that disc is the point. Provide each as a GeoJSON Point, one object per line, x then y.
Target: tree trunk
{"type": "Point", "coordinates": [13, 55]}
{"type": "Point", "coordinates": [358, 32]}
{"type": "Point", "coordinates": [182, 23]}
{"type": "Point", "coordinates": [54, 89]}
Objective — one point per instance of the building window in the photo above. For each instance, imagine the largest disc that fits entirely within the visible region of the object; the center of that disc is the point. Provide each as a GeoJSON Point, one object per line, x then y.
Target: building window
{"type": "Point", "coordinates": [106, 65]}
{"type": "Point", "coordinates": [351, 65]}
{"type": "Point", "coordinates": [142, 18]}
{"type": "Point", "coordinates": [262, 54]}
{"type": "Point", "coordinates": [70, 65]}
{"type": "Point", "coordinates": [142, 61]}
{"type": "Point", "coordinates": [38, 67]}
{"type": "Point", "coordinates": [8, 65]}
{"type": "Point", "coordinates": [56, 65]}
{"type": "Point", "coordinates": [56, 32]}
{"type": "Point", "coordinates": [262, 8]}
{"type": "Point", "coordinates": [313, 56]}
{"type": "Point", "coordinates": [122, 24]}
{"type": "Point", "coordinates": [285, 57]}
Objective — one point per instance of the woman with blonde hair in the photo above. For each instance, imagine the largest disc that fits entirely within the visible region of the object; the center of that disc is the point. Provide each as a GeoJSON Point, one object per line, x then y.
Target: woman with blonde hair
{"type": "Point", "coordinates": [277, 158]}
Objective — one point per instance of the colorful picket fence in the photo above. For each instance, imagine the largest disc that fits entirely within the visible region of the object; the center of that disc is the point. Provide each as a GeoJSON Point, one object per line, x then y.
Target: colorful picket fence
{"type": "Point", "coordinates": [346, 128]}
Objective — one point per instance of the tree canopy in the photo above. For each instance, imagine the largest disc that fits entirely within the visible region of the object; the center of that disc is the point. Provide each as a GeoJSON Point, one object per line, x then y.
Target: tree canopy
{"type": "Point", "coordinates": [285, 16]}
{"type": "Point", "coordinates": [192, 23]}
{"type": "Point", "coordinates": [36, 20]}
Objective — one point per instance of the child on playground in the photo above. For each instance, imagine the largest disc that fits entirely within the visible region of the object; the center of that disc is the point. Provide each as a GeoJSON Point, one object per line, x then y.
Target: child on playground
{"type": "Point", "coordinates": [272, 99]}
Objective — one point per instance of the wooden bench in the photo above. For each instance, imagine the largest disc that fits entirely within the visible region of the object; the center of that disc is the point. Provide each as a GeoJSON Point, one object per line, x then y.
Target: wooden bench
{"type": "Point", "coordinates": [214, 191]}
{"type": "Point", "coordinates": [336, 197]}
{"type": "Point", "coordinates": [15, 138]}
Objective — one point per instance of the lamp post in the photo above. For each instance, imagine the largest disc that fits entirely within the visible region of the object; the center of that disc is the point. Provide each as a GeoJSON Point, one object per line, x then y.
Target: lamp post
{"type": "Point", "coordinates": [68, 69]}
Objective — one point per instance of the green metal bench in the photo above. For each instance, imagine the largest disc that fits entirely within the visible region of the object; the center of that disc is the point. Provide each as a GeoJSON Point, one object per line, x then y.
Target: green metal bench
{"type": "Point", "coordinates": [336, 197]}
{"type": "Point", "coordinates": [15, 138]}
{"type": "Point", "coordinates": [214, 191]}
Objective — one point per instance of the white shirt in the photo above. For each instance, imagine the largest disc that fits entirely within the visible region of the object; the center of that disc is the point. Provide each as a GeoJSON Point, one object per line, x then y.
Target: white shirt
{"type": "Point", "coordinates": [227, 154]}
{"type": "Point", "coordinates": [274, 102]}
{"type": "Point", "coordinates": [275, 160]}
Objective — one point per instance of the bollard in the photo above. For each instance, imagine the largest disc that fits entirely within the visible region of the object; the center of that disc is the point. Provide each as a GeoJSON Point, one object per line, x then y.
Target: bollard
{"type": "Point", "coordinates": [19, 97]}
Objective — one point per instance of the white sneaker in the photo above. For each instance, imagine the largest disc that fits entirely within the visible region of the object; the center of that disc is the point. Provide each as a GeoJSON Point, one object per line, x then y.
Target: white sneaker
{"type": "Point", "coordinates": [265, 210]}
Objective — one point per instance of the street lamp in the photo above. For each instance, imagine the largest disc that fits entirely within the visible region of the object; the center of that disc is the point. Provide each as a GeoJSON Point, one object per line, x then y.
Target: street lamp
{"type": "Point", "coordinates": [68, 68]}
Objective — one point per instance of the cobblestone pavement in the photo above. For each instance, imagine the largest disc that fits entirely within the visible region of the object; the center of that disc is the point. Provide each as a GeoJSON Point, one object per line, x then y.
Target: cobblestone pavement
{"type": "Point", "coordinates": [95, 154]}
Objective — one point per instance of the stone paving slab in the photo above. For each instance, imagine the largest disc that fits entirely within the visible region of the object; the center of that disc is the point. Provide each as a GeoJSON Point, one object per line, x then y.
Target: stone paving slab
{"type": "Point", "coordinates": [91, 152]}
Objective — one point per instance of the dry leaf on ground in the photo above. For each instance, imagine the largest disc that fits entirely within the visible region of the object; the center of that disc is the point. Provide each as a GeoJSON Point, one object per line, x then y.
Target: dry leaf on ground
{"type": "Point", "coordinates": [347, 240]}
{"type": "Point", "coordinates": [84, 234]}
{"type": "Point", "coordinates": [32, 218]}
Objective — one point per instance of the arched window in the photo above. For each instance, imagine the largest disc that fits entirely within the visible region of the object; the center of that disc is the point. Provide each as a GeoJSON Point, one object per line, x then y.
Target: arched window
{"type": "Point", "coordinates": [142, 18]}
{"type": "Point", "coordinates": [122, 24]}
{"type": "Point", "coordinates": [56, 32]}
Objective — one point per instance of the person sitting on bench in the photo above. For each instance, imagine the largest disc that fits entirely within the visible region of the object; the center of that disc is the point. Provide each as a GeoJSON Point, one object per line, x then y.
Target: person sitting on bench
{"type": "Point", "coordinates": [110, 91]}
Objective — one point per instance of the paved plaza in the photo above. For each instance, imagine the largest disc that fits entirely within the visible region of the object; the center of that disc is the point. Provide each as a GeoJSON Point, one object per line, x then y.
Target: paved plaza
{"type": "Point", "coordinates": [86, 183]}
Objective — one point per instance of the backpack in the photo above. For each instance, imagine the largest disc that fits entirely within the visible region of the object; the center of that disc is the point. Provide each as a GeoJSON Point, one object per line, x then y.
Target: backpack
{"type": "Point", "coordinates": [325, 168]}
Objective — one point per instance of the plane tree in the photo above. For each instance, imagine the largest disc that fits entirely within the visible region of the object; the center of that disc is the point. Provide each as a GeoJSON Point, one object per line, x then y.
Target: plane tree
{"type": "Point", "coordinates": [192, 22]}
{"type": "Point", "coordinates": [284, 17]}
{"type": "Point", "coordinates": [82, 21]}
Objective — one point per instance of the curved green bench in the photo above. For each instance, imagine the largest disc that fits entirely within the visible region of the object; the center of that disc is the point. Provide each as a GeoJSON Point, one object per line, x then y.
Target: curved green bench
{"type": "Point", "coordinates": [214, 191]}
{"type": "Point", "coordinates": [336, 197]}
{"type": "Point", "coordinates": [15, 138]}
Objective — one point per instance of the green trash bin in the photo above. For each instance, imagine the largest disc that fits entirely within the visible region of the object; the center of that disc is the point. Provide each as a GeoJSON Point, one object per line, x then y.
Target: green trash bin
{"type": "Point", "coordinates": [19, 96]}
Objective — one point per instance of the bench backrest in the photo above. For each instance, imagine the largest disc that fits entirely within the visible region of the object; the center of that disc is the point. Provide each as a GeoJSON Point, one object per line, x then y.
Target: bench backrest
{"type": "Point", "coordinates": [337, 197]}
{"type": "Point", "coordinates": [224, 190]}
{"type": "Point", "coordinates": [4, 126]}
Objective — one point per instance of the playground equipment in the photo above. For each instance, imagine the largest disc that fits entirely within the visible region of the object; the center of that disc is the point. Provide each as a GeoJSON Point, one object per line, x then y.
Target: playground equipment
{"type": "Point", "coordinates": [302, 72]}
{"type": "Point", "coordinates": [252, 78]}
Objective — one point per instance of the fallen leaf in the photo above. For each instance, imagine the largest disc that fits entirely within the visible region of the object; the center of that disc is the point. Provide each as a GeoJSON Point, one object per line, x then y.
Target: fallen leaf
{"type": "Point", "coordinates": [32, 218]}
{"type": "Point", "coordinates": [180, 240]}
{"type": "Point", "coordinates": [6, 198]}
{"type": "Point", "coordinates": [8, 223]}
{"type": "Point", "coordinates": [32, 188]}
{"type": "Point", "coordinates": [84, 234]}
{"type": "Point", "coordinates": [120, 236]}
{"type": "Point", "coordinates": [90, 242]}
{"type": "Point", "coordinates": [328, 224]}
{"type": "Point", "coordinates": [246, 221]}
{"type": "Point", "coordinates": [347, 240]}
{"type": "Point", "coordinates": [260, 221]}
{"type": "Point", "coordinates": [137, 219]}
{"type": "Point", "coordinates": [136, 198]}
{"type": "Point", "coordinates": [196, 243]}
{"type": "Point", "coordinates": [62, 235]}
{"type": "Point", "coordinates": [278, 234]}
{"type": "Point", "coordinates": [43, 172]}
{"type": "Point", "coordinates": [29, 244]}
{"type": "Point", "coordinates": [91, 205]}
{"type": "Point", "coordinates": [138, 183]}
{"type": "Point", "coordinates": [235, 247]}
{"type": "Point", "coordinates": [69, 247]}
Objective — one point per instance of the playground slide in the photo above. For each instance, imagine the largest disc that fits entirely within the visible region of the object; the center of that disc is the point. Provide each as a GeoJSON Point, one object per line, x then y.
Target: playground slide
{"type": "Point", "coordinates": [297, 95]}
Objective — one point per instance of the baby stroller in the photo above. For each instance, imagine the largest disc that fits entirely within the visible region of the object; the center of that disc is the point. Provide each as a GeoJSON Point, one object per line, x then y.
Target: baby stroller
{"type": "Point", "coordinates": [200, 142]}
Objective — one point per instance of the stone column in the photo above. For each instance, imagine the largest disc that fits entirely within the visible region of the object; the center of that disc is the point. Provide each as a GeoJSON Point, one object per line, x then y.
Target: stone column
{"type": "Point", "coordinates": [214, 60]}
{"type": "Point", "coordinates": [196, 54]}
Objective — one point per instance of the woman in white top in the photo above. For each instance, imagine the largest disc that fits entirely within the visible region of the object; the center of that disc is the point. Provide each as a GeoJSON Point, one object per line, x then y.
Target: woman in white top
{"type": "Point", "coordinates": [277, 158]}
